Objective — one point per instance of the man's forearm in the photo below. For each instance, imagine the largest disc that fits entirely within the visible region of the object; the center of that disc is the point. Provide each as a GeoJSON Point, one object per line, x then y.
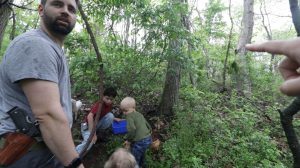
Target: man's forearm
{"type": "Point", "coordinates": [57, 136]}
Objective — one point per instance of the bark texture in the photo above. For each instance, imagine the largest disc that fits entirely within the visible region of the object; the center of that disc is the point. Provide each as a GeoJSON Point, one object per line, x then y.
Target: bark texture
{"type": "Point", "coordinates": [294, 7]}
{"type": "Point", "coordinates": [172, 81]}
{"type": "Point", "coordinates": [286, 118]}
{"type": "Point", "coordinates": [5, 12]}
{"type": "Point", "coordinates": [243, 76]}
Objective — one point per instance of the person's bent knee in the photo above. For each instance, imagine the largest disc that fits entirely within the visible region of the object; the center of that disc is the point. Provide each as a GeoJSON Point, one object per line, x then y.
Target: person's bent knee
{"type": "Point", "coordinates": [105, 122]}
{"type": "Point", "coordinates": [110, 117]}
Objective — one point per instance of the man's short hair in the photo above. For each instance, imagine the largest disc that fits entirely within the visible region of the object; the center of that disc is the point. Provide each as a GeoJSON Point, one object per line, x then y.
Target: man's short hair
{"type": "Point", "coordinates": [43, 2]}
{"type": "Point", "coordinates": [110, 92]}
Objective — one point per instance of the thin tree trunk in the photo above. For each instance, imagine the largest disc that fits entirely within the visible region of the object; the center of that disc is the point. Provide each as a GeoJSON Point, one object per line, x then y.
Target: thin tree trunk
{"type": "Point", "coordinates": [294, 7]}
{"type": "Point", "coordinates": [228, 47]}
{"type": "Point", "coordinates": [243, 80]}
{"type": "Point", "coordinates": [5, 12]}
{"type": "Point", "coordinates": [100, 73]}
{"type": "Point", "coordinates": [186, 23]}
{"type": "Point", "coordinates": [268, 31]}
{"type": "Point", "coordinates": [127, 27]}
{"type": "Point", "coordinates": [286, 118]}
{"type": "Point", "coordinates": [13, 29]}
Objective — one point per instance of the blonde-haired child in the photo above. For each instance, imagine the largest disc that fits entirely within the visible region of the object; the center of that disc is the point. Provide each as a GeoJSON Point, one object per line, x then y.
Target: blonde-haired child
{"type": "Point", "coordinates": [139, 130]}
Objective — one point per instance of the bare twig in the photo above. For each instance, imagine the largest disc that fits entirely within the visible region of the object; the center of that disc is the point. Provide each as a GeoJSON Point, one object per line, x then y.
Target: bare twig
{"type": "Point", "coordinates": [22, 7]}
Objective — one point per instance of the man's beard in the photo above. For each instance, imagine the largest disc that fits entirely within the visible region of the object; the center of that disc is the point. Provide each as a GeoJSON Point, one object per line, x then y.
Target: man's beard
{"type": "Point", "coordinates": [53, 24]}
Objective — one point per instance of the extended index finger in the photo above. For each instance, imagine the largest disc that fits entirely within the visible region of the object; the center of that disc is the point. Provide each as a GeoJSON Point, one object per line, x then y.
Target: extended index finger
{"type": "Point", "coordinates": [273, 47]}
{"type": "Point", "coordinates": [289, 48]}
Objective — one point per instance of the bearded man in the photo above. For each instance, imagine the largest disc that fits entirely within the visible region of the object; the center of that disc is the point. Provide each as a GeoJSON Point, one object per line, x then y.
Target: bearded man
{"type": "Point", "coordinates": [34, 78]}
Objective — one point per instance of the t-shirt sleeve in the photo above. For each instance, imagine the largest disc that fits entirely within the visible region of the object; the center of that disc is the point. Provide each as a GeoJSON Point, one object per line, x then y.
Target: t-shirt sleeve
{"type": "Point", "coordinates": [95, 107]}
{"type": "Point", "coordinates": [32, 57]}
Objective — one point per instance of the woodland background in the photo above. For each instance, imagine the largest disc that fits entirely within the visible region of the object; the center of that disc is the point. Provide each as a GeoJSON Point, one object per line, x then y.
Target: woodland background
{"type": "Point", "coordinates": [210, 102]}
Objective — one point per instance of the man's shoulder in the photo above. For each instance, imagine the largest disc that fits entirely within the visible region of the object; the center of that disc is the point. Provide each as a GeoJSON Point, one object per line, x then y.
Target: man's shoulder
{"type": "Point", "coordinates": [32, 37]}
{"type": "Point", "coordinates": [29, 34]}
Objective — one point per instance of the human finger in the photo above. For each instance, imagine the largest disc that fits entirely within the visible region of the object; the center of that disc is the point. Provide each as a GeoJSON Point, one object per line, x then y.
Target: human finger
{"type": "Point", "coordinates": [290, 48]}
{"type": "Point", "coordinates": [288, 69]}
{"type": "Point", "coordinates": [291, 87]}
{"type": "Point", "coordinates": [273, 47]}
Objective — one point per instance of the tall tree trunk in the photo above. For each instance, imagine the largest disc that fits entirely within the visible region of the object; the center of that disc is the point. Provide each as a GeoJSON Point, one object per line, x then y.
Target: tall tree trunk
{"type": "Point", "coordinates": [172, 82]}
{"type": "Point", "coordinates": [5, 12]}
{"type": "Point", "coordinates": [100, 73]}
{"type": "Point", "coordinates": [243, 76]}
{"type": "Point", "coordinates": [295, 15]}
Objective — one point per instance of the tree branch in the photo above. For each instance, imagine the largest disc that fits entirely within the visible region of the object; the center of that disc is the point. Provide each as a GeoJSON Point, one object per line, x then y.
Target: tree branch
{"type": "Point", "coordinates": [4, 2]}
{"type": "Point", "coordinates": [22, 7]}
{"type": "Point", "coordinates": [286, 118]}
{"type": "Point", "coordinates": [13, 29]}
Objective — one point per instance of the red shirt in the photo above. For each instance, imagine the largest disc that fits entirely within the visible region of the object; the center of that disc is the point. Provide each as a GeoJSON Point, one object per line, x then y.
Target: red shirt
{"type": "Point", "coordinates": [105, 109]}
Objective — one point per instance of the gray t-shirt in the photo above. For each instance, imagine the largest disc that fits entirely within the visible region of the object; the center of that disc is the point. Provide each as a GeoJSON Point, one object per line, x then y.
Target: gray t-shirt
{"type": "Point", "coordinates": [31, 55]}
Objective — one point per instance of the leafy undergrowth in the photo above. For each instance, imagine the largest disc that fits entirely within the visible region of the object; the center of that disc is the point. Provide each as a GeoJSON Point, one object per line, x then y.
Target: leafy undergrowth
{"type": "Point", "coordinates": [222, 130]}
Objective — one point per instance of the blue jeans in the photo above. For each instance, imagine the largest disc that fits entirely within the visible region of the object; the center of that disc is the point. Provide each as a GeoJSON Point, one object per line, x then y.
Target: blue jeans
{"type": "Point", "coordinates": [85, 133]}
{"type": "Point", "coordinates": [138, 150]}
{"type": "Point", "coordinates": [104, 123]}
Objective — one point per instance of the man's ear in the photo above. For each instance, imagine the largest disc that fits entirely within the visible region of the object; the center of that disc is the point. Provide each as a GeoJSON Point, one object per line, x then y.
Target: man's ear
{"type": "Point", "coordinates": [41, 10]}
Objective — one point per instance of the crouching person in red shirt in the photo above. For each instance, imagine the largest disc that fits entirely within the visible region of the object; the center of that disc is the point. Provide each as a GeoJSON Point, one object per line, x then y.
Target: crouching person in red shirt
{"type": "Point", "coordinates": [105, 121]}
